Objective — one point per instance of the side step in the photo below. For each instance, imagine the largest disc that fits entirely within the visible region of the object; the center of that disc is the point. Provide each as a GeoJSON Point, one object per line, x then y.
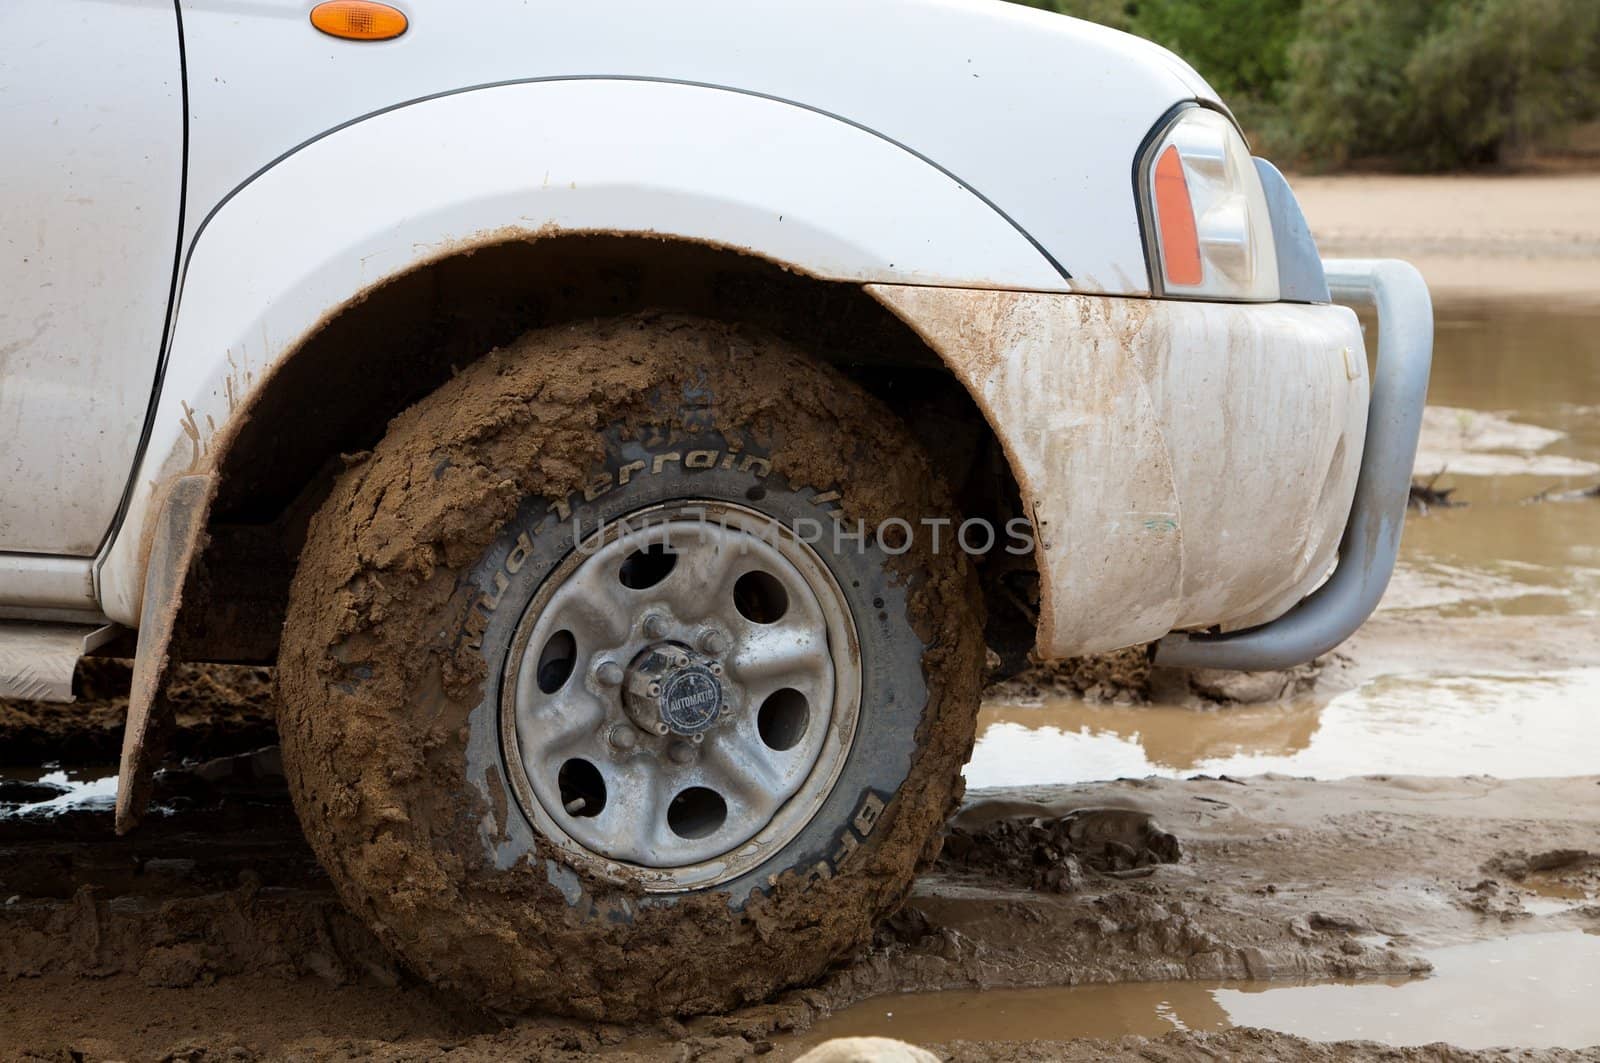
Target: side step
{"type": "Point", "coordinates": [37, 660]}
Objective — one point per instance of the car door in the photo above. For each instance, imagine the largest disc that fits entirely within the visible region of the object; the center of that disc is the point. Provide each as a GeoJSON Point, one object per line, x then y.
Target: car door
{"type": "Point", "coordinates": [91, 174]}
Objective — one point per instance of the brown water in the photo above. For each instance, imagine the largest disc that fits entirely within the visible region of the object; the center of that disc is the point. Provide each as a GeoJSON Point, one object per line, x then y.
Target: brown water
{"type": "Point", "coordinates": [1532, 990]}
{"type": "Point", "coordinates": [1507, 725]}
{"type": "Point", "coordinates": [1540, 369]}
{"type": "Point", "coordinates": [1513, 391]}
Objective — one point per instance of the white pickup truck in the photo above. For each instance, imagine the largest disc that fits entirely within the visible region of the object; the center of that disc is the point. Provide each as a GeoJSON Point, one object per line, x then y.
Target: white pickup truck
{"type": "Point", "coordinates": [624, 425]}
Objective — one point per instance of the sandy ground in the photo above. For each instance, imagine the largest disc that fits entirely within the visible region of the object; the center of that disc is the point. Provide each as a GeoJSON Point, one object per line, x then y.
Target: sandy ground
{"type": "Point", "coordinates": [1506, 237]}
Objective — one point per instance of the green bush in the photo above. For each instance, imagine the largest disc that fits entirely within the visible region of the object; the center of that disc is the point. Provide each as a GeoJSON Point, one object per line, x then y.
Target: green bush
{"type": "Point", "coordinates": [1429, 84]}
{"type": "Point", "coordinates": [1441, 83]}
{"type": "Point", "coordinates": [1496, 77]}
{"type": "Point", "coordinates": [1348, 94]}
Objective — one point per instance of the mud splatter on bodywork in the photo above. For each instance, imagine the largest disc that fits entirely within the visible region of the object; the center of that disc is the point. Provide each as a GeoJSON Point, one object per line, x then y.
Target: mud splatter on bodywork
{"type": "Point", "coordinates": [1186, 464]}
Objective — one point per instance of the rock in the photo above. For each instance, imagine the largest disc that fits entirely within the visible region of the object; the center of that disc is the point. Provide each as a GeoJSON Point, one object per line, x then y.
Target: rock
{"type": "Point", "coordinates": [1335, 921]}
{"type": "Point", "coordinates": [1245, 688]}
{"type": "Point", "coordinates": [1051, 853]}
{"type": "Point", "coordinates": [867, 1050]}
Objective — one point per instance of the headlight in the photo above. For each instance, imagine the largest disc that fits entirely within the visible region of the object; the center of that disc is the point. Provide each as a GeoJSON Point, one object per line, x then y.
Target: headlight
{"type": "Point", "coordinates": [1207, 227]}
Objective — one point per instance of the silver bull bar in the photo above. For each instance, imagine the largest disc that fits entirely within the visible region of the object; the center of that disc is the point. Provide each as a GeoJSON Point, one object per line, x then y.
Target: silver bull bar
{"type": "Point", "coordinates": [1333, 612]}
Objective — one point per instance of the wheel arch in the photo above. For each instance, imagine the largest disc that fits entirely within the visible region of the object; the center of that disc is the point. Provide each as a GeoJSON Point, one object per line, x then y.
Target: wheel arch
{"type": "Point", "coordinates": [386, 348]}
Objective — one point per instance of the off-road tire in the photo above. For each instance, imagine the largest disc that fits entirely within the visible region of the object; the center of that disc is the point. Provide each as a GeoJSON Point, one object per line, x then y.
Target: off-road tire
{"type": "Point", "coordinates": [411, 584]}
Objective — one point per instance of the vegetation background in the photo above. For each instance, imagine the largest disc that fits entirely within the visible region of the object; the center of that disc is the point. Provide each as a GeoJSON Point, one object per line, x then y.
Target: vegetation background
{"type": "Point", "coordinates": [1397, 84]}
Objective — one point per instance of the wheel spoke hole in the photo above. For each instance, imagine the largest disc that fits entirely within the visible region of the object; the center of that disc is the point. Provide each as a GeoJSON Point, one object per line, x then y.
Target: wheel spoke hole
{"type": "Point", "coordinates": [783, 718]}
{"type": "Point", "coordinates": [556, 661]}
{"type": "Point", "coordinates": [697, 813]}
{"type": "Point", "coordinates": [760, 598]}
{"type": "Point", "coordinates": [647, 567]}
{"type": "Point", "coordinates": [583, 788]}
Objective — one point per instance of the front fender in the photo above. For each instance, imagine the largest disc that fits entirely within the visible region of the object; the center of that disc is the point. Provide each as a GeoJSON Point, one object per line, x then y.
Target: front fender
{"type": "Point", "coordinates": [370, 201]}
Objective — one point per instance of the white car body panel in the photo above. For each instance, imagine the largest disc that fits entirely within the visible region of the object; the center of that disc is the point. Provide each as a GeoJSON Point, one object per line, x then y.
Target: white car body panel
{"type": "Point", "coordinates": [45, 587]}
{"type": "Point", "coordinates": [91, 172]}
{"type": "Point", "coordinates": [1041, 114]}
{"type": "Point", "coordinates": [365, 204]}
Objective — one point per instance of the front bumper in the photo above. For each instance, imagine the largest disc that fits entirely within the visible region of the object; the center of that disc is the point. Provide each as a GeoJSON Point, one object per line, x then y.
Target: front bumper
{"type": "Point", "coordinates": [1186, 465]}
{"type": "Point", "coordinates": [1371, 540]}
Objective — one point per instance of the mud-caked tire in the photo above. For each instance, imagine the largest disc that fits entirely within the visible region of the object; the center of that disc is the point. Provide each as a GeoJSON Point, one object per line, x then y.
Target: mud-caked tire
{"type": "Point", "coordinates": [423, 579]}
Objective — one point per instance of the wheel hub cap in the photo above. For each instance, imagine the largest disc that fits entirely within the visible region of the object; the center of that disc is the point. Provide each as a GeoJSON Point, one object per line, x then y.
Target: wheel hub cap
{"type": "Point", "coordinates": [681, 695]}
{"type": "Point", "coordinates": [671, 688]}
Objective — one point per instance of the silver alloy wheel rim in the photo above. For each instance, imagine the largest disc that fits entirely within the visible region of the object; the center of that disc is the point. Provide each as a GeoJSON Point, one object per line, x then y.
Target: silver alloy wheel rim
{"type": "Point", "coordinates": [676, 733]}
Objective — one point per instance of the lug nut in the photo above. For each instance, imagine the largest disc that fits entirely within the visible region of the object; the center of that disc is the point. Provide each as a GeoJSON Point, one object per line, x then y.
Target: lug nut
{"type": "Point", "coordinates": [655, 626]}
{"type": "Point", "coordinates": [713, 642]}
{"type": "Point", "coordinates": [622, 737]}
{"type": "Point", "coordinates": [609, 673]}
{"type": "Point", "coordinates": [681, 752]}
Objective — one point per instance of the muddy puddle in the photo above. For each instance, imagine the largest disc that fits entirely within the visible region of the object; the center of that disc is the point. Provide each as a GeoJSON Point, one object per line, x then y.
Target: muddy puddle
{"type": "Point", "coordinates": [1532, 991]}
{"type": "Point", "coordinates": [1539, 374]}
{"type": "Point", "coordinates": [1485, 656]}
{"type": "Point", "coordinates": [1508, 725]}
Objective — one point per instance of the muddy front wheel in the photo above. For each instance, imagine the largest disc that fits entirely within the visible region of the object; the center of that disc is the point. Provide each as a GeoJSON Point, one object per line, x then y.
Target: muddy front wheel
{"type": "Point", "coordinates": [608, 692]}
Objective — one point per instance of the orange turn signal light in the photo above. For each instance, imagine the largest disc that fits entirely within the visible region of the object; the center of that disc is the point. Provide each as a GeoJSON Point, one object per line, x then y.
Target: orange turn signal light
{"type": "Point", "coordinates": [1180, 242]}
{"type": "Point", "coordinates": [359, 20]}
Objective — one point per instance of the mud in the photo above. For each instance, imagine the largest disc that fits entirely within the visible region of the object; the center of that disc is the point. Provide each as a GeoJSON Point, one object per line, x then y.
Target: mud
{"type": "Point", "coordinates": [1056, 853]}
{"type": "Point", "coordinates": [1475, 443]}
{"type": "Point", "coordinates": [1277, 879]}
{"type": "Point", "coordinates": [220, 709]}
{"type": "Point", "coordinates": [1126, 677]}
{"type": "Point", "coordinates": [1121, 678]}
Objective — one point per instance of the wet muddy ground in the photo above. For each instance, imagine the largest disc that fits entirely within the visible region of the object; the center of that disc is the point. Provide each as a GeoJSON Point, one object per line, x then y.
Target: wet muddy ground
{"type": "Point", "coordinates": [1283, 904]}
{"type": "Point", "coordinates": [1455, 896]}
